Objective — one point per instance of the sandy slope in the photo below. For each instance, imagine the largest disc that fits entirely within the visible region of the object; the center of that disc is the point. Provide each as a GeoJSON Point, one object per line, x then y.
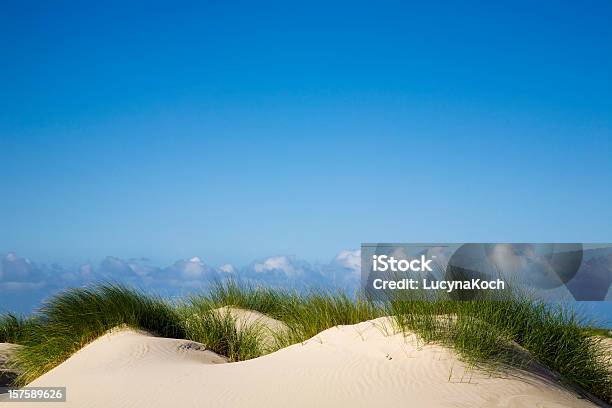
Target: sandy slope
{"type": "Point", "coordinates": [358, 366]}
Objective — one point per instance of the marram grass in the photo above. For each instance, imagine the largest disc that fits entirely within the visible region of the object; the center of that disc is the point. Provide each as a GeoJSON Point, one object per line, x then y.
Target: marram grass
{"type": "Point", "coordinates": [75, 317]}
{"type": "Point", "coordinates": [495, 331]}
{"type": "Point", "coordinates": [482, 331]}
{"type": "Point", "coordinates": [220, 333]}
{"type": "Point", "coordinates": [303, 315]}
{"type": "Point", "coordinates": [13, 328]}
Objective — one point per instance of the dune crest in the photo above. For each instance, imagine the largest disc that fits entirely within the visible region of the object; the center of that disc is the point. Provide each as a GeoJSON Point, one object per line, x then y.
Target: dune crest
{"type": "Point", "coordinates": [361, 365]}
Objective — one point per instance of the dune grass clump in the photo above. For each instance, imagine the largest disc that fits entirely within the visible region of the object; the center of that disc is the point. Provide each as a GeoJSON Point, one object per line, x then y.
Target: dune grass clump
{"type": "Point", "coordinates": [303, 314]}
{"type": "Point", "coordinates": [70, 320]}
{"type": "Point", "coordinates": [272, 302]}
{"type": "Point", "coordinates": [320, 310]}
{"type": "Point", "coordinates": [495, 331]}
{"type": "Point", "coordinates": [219, 332]}
{"type": "Point", "coordinates": [13, 329]}
{"type": "Point", "coordinates": [555, 337]}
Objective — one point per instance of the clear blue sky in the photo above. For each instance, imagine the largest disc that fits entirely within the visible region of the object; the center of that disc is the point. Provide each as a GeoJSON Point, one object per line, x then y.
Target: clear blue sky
{"type": "Point", "coordinates": [239, 130]}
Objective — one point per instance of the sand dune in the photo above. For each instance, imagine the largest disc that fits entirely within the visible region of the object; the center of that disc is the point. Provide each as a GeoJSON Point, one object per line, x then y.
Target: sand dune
{"type": "Point", "coordinates": [363, 365]}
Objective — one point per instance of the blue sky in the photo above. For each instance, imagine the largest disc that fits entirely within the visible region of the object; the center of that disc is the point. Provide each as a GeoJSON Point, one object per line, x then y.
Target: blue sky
{"type": "Point", "coordinates": [239, 131]}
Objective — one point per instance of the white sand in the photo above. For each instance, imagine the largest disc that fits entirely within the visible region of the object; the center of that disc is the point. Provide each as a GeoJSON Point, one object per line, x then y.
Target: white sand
{"type": "Point", "coordinates": [364, 365]}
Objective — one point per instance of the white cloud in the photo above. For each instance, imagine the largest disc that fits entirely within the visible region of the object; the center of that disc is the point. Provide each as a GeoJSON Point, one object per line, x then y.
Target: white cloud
{"type": "Point", "coordinates": [19, 274]}
{"type": "Point", "coordinates": [16, 268]}
{"type": "Point", "coordinates": [142, 267]}
{"type": "Point", "coordinates": [191, 269]}
{"type": "Point", "coordinates": [344, 270]}
{"type": "Point", "coordinates": [276, 263]}
{"type": "Point", "coordinates": [86, 271]}
{"type": "Point", "coordinates": [111, 265]}
{"type": "Point", "coordinates": [11, 257]}
{"type": "Point", "coordinates": [350, 259]}
{"type": "Point", "coordinates": [227, 268]}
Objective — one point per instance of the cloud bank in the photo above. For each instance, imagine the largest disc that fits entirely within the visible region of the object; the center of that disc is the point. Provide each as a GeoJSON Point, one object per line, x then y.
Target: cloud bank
{"type": "Point", "coordinates": [24, 284]}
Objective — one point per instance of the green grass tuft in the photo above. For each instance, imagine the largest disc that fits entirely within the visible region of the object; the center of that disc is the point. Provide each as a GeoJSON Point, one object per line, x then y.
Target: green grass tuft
{"type": "Point", "coordinates": [14, 329]}
{"type": "Point", "coordinates": [484, 331]}
{"type": "Point", "coordinates": [316, 311]}
{"type": "Point", "coordinates": [272, 302]}
{"type": "Point", "coordinates": [305, 315]}
{"type": "Point", "coordinates": [219, 331]}
{"type": "Point", "coordinates": [75, 317]}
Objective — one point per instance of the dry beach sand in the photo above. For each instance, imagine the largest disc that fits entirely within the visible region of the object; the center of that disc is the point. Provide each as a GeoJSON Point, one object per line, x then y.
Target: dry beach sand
{"type": "Point", "coordinates": [363, 365]}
